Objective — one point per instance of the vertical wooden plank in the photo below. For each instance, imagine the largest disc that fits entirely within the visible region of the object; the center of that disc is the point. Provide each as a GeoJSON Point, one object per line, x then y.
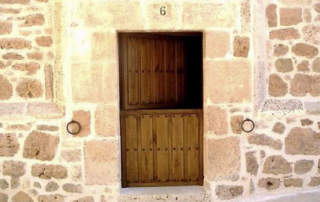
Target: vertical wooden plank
{"type": "Point", "coordinates": [151, 50]}
{"type": "Point", "coordinates": [123, 151]}
{"type": "Point", "coordinates": [156, 71]}
{"type": "Point", "coordinates": [132, 148]}
{"type": "Point", "coordinates": [145, 71]}
{"type": "Point", "coordinates": [155, 147]}
{"type": "Point", "coordinates": [176, 168]}
{"type": "Point", "coordinates": [123, 70]}
{"type": "Point", "coordinates": [130, 83]}
{"type": "Point", "coordinates": [143, 95]}
{"type": "Point", "coordinates": [185, 148]}
{"type": "Point", "coordinates": [193, 147]}
{"type": "Point", "coordinates": [161, 72]}
{"type": "Point", "coordinates": [162, 148]}
{"type": "Point", "coordinates": [146, 154]}
{"type": "Point", "coordinates": [139, 147]}
{"type": "Point", "coordinates": [138, 69]}
{"type": "Point", "coordinates": [165, 66]}
{"type": "Point", "coordinates": [169, 134]}
{"type": "Point", "coordinates": [133, 71]}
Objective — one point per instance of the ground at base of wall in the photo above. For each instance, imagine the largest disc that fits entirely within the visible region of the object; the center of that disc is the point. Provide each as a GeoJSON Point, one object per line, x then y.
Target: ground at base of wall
{"type": "Point", "coordinates": [195, 194]}
{"type": "Point", "coordinates": [308, 196]}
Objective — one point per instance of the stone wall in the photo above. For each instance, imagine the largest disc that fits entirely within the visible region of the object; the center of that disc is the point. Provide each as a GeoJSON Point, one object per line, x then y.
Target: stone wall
{"type": "Point", "coordinates": [27, 53]}
{"type": "Point", "coordinates": [293, 50]}
{"type": "Point", "coordinates": [59, 62]}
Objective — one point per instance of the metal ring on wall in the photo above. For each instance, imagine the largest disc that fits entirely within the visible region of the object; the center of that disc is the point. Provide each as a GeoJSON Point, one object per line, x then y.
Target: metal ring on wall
{"type": "Point", "coordinates": [245, 122]}
{"type": "Point", "coordinates": [72, 124]}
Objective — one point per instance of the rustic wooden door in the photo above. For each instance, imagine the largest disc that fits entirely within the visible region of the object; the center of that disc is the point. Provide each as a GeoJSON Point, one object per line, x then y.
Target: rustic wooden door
{"type": "Point", "coordinates": [161, 115]}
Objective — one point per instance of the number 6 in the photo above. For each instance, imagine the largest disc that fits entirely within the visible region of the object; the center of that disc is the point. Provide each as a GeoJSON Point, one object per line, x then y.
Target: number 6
{"type": "Point", "coordinates": [163, 10]}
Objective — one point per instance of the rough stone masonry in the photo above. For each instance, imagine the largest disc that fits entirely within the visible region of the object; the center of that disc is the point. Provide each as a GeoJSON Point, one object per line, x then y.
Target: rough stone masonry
{"type": "Point", "coordinates": [59, 62]}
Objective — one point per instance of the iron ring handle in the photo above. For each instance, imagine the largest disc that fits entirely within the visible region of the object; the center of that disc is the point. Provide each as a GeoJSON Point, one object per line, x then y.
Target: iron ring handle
{"type": "Point", "coordinates": [69, 130]}
{"type": "Point", "coordinates": [245, 121]}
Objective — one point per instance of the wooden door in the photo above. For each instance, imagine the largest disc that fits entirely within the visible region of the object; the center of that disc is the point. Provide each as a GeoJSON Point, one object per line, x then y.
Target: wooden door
{"type": "Point", "coordinates": [161, 136]}
{"type": "Point", "coordinates": [160, 71]}
{"type": "Point", "coordinates": [161, 147]}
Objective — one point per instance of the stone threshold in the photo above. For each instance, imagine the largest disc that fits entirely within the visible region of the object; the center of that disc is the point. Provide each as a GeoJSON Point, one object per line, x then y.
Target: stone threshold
{"type": "Point", "coordinates": [132, 191]}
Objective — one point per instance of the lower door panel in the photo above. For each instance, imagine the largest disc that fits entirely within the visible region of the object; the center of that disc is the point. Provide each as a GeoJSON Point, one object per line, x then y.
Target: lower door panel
{"type": "Point", "coordinates": [161, 147]}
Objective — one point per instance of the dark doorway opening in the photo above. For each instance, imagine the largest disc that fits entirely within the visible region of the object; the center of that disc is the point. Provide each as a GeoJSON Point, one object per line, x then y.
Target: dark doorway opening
{"type": "Point", "coordinates": [161, 108]}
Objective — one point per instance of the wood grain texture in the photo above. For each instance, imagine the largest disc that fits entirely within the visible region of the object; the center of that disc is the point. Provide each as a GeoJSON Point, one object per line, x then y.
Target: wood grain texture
{"type": "Point", "coordinates": [163, 147]}
{"type": "Point", "coordinates": [160, 71]}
